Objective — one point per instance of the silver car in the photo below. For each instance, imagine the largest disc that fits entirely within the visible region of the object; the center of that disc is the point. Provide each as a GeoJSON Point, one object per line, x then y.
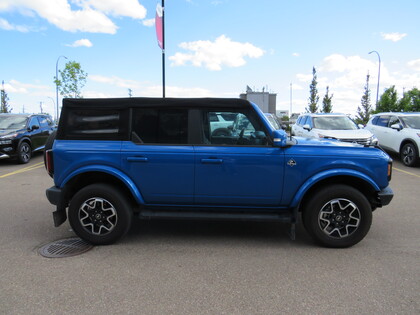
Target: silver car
{"type": "Point", "coordinates": [332, 126]}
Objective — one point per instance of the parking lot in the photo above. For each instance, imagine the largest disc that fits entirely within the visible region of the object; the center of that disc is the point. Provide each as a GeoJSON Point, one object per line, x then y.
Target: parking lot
{"type": "Point", "coordinates": [189, 267]}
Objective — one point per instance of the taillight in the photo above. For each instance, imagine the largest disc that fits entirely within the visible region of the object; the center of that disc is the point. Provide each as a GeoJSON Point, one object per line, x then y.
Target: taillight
{"type": "Point", "coordinates": [49, 163]}
{"type": "Point", "coordinates": [389, 170]}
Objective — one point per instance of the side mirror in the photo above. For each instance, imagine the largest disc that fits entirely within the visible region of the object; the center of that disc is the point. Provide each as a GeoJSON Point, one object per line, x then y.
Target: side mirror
{"type": "Point", "coordinates": [361, 126]}
{"type": "Point", "coordinates": [284, 126]}
{"type": "Point", "coordinates": [34, 127]}
{"type": "Point", "coordinates": [396, 127]}
{"type": "Point", "coordinates": [307, 127]}
{"type": "Point", "coordinates": [279, 138]}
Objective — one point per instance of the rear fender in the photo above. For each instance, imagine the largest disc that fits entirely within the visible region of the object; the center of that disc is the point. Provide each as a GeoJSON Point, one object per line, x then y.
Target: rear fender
{"type": "Point", "coordinates": [111, 171]}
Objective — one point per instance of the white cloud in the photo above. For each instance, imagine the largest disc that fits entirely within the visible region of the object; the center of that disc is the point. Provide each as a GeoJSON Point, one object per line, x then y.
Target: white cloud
{"type": "Point", "coordinates": [395, 37]}
{"type": "Point", "coordinates": [81, 43]}
{"type": "Point", "coordinates": [5, 25]}
{"type": "Point", "coordinates": [415, 64]}
{"type": "Point", "coordinates": [148, 22]}
{"type": "Point", "coordinates": [91, 15]}
{"type": "Point", "coordinates": [295, 54]}
{"type": "Point", "coordinates": [346, 78]}
{"type": "Point", "coordinates": [15, 86]}
{"type": "Point", "coordinates": [213, 55]}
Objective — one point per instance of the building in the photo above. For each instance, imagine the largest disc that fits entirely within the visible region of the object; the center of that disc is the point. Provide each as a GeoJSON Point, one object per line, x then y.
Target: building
{"type": "Point", "coordinates": [266, 101]}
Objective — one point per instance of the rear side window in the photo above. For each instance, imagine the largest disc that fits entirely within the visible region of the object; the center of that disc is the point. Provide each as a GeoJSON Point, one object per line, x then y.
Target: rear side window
{"type": "Point", "coordinates": [160, 125]}
{"type": "Point", "coordinates": [101, 124]}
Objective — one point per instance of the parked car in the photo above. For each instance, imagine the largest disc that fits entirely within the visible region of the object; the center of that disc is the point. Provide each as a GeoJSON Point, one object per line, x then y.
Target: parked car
{"type": "Point", "coordinates": [332, 126]}
{"type": "Point", "coordinates": [157, 158]}
{"type": "Point", "coordinates": [398, 132]}
{"type": "Point", "coordinates": [23, 134]}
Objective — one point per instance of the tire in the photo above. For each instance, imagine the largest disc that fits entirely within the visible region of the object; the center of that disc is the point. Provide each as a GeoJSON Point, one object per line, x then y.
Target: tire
{"type": "Point", "coordinates": [49, 144]}
{"type": "Point", "coordinates": [337, 216]}
{"type": "Point", "coordinates": [24, 153]}
{"type": "Point", "coordinates": [100, 214]}
{"type": "Point", "coordinates": [409, 154]}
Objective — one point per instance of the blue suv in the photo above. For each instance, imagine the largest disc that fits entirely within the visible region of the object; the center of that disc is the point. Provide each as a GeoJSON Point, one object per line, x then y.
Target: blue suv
{"type": "Point", "coordinates": [161, 158]}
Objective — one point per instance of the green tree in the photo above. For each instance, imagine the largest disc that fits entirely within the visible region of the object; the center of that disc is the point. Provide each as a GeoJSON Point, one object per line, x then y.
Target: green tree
{"type": "Point", "coordinates": [73, 79]}
{"type": "Point", "coordinates": [313, 94]}
{"type": "Point", "coordinates": [326, 102]}
{"type": "Point", "coordinates": [410, 102]}
{"type": "Point", "coordinates": [388, 101]}
{"type": "Point", "coordinates": [364, 112]}
{"type": "Point", "coordinates": [5, 108]}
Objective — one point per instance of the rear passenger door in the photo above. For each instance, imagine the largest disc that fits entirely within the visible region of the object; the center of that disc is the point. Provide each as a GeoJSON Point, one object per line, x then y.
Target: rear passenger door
{"type": "Point", "coordinates": [158, 158]}
{"type": "Point", "coordinates": [240, 168]}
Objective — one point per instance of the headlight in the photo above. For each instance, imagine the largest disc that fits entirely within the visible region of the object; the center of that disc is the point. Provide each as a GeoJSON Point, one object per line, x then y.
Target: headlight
{"type": "Point", "coordinates": [7, 139]}
{"type": "Point", "coordinates": [374, 140]}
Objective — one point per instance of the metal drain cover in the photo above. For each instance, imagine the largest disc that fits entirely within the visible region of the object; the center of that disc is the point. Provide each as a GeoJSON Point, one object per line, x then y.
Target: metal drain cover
{"type": "Point", "coordinates": [65, 248]}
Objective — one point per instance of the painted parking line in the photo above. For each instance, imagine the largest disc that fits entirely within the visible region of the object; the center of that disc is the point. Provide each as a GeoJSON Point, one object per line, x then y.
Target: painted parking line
{"type": "Point", "coordinates": [409, 173]}
{"type": "Point", "coordinates": [25, 169]}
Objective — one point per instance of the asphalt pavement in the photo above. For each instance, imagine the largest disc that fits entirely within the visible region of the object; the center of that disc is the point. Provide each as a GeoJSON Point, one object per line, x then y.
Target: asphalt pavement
{"type": "Point", "coordinates": [189, 267]}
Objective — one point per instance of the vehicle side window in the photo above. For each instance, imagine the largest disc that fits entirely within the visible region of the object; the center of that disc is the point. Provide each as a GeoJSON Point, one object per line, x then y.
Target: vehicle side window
{"type": "Point", "coordinates": [393, 120]}
{"type": "Point", "coordinates": [33, 122]}
{"type": "Point", "coordinates": [43, 121]}
{"type": "Point", "coordinates": [304, 120]}
{"type": "Point", "coordinates": [298, 120]}
{"type": "Point", "coordinates": [160, 125]}
{"type": "Point", "coordinates": [375, 120]}
{"type": "Point", "coordinates": [95, 124]}
{"type": "Point", "coordinates": [383, 121]}
{"type": "Point", "coordinates": [245, 129]}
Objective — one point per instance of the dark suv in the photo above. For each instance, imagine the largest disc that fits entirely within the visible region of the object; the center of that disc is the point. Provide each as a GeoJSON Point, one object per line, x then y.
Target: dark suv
{"type": "Point", "coordinates": [161, 158]}
{"type": "Point", "coordinates": [22, 134]}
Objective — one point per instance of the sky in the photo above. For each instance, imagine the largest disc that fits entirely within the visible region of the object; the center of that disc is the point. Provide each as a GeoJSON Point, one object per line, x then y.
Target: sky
{"type": "Point", "coordinates": [214, 48]}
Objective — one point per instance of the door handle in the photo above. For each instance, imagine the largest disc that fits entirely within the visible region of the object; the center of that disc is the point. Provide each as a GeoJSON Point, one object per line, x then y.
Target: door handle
{"type": "Point", "coordinates": [211, 161]}
{"type": "Point", "coordinates": [137, 159]}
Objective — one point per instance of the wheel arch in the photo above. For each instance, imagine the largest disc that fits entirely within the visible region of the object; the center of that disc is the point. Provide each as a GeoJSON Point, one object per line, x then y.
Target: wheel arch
{"type": "Point", "coordinates": [361, 184]}
{"type": "Point", "coordinates": [408, 140]}
{"type": "Point", "coordinates": [82, 179]}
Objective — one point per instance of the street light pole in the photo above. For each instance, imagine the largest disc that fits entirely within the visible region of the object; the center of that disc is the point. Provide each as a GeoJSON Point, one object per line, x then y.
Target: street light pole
{"type": "Point", "coordinates": [56, 86]}
{"type": "Point", "coordinates": [379, 75]}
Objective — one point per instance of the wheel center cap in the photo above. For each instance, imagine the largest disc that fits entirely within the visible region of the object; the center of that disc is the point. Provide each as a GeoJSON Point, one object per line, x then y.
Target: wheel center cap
{"type": "Point", "coordinates": [98, 216]}
{"type": "Point", "coordinates": [338, 218]}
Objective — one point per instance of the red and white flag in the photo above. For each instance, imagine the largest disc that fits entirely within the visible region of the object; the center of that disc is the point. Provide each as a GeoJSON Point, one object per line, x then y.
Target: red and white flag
{"type": "Point", "coordinates": [159, 25]}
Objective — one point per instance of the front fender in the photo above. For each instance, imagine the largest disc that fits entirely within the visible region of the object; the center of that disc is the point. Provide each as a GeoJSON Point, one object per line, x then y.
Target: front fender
{"type": "Point", "coordinates": [310, 182]}
{"type": "Point", "coordinates": [108, 170]}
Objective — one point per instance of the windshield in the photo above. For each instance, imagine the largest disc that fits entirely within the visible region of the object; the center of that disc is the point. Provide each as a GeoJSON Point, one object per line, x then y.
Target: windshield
{"type": "Point", "coordinates": [334, 123]}
{"type": "Point", "coordinates": [412, 121]}
{"type": "Point", "coordinates": [12, 122]}
{"type": "Point", "coordinates": [273, 122]}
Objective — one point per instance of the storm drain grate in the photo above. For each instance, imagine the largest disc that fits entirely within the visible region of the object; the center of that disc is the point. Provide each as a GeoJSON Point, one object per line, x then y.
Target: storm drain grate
{"type": "Point", "coordinates": [65, 248]}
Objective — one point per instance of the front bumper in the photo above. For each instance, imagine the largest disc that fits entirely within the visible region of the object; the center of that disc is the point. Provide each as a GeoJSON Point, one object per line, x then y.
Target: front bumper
{"type": "Point", "coordinates": [385, 196]}
{"type": "Point", "coordinates": [56, 197]}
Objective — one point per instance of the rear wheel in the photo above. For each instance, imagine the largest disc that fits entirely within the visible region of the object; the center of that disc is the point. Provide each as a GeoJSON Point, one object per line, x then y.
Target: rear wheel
{"type": "Point", "coordinates": [24, 153]}
{"type": "Point", "coordinates": [337, 216]}
{"type": "Point", "coordinates": [409, 154]}
{"type": "Point", "coordinates": [100, 214]}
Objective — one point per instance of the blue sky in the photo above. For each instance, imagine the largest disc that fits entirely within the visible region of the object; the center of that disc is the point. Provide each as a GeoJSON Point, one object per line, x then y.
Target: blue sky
{"type": "Point", "coordinates": [214, 48]}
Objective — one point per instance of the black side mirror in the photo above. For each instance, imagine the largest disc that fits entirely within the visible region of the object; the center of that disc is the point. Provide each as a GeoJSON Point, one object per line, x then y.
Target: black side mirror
{"type": "Point", "coordinates": [34, 127]}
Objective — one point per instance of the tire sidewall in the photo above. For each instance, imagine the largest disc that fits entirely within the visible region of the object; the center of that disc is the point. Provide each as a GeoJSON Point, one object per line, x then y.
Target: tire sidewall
{"type": "Point", "coordinates": [112, 195]}
{"type": "Point", "coordinates": [322, 197]}
{"type": "Point", "coordinates": [20, 159]}
{"type": "Point", "coordinates": [415, 159]}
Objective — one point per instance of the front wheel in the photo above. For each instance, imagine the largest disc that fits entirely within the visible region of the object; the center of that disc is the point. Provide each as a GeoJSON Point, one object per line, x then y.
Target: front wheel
{"type": "Point", "coordinates": [24, 153]}
{"type": "Point", "coordinates": [409, 154]}
{"type": "Point", "coordinates": [337, 216]}
{"type": "Point", "coordinates": [100, 214]}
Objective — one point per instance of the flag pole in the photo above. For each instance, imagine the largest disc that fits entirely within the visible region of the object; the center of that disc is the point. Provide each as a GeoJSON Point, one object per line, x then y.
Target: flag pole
{"type": "Point", "coordinates": [163, 48]}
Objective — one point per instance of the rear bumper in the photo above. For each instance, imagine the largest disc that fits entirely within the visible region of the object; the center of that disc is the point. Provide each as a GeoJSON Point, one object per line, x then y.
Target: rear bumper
{"type": "Point", "coordinates": [385, 196]}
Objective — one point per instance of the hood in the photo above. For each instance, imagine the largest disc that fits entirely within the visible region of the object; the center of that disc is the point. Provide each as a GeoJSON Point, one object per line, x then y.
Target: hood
{"type": "Point", "coordinates": [325, 142]}
{"type": "Point", "coordinates": [6, 132]}
{"type": "Point", "coordinates": [345, 134]}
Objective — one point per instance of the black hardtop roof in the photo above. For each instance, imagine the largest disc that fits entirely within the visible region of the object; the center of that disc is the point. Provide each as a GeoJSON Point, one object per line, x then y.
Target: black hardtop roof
{"type": "Point", "coordinates": [152, 102]}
